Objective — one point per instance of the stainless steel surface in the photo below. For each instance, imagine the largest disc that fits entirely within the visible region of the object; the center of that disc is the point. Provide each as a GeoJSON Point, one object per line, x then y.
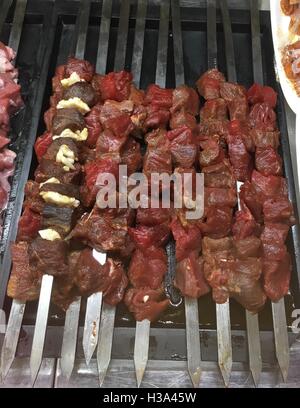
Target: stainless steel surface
{"type": "Point", "coordinates": [106, 332]}
{"type": "Point", "coordinates": [224, 340]}
{"type": "Point", "coordinates": [40, 326]}
{"type": "Point", "coordinates": [91, 325]}
{"type": "Point", "coordinates": [138, 46]}
{"type": "Point", "coordinates": [193, 340]}
{"type": "Point", "coordinates": [122, 35]}
{"type": "Point", "coordinates": [16, 31]}
{"type": "Point", "coordinates": [141, 349]}
{"type": "Point", "coordinates": [254, 347]}
{"type": "Point", "coordinates": [281, 337]}
{"type": "Point", "coordinates": [104, 37]}
{"type": "Point", "coordinates": [83, 23]}
{"type": "Point", "coordinates": [11, 337]}
{"type": "Point", "coordinates": [68, 349]}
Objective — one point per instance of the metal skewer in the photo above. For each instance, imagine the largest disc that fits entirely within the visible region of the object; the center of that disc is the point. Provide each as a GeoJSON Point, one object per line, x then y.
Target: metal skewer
{"type": "Point", "coordinates": [278, 309]}
{"type": "Point", "coordinates": [108, 313]}
{"type": "Point", "coordinates": [190, 304]}
{"type": "Point", "coordinates": [40, 327]}
{"type": "Point", "coordinates": [142, 331]}
{"type": "Point", "coordinates": [222, 310]}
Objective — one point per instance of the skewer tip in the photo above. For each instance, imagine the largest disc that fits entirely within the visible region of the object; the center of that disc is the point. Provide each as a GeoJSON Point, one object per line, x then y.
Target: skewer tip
{"type": "Point", "coordinates": [284, 373]}
{"type": "Point", "coordinates": [226, 371]}
{"type": "Point", "coordinates": [195, 377]}
{"type": "Point", "coordinates": [139, 376]}
{"type": "Point", "coordinates": [102, 375]}
{"type": "Point", "coordinates": [256, 377]}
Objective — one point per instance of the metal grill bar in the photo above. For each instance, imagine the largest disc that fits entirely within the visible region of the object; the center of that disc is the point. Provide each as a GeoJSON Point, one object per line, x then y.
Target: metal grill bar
{"type": "Point", "coordinates": [177, 43]}
{"type": "Point", "coordinates": [251, 319]}
{"type": "Point", "coordinates": [122, 35]}
{"type": "Point", "coordinates": [16, 30]}
{"type": "Point", "coordinates": [137, 57]}
{"type": "Point", "coordinates": [141, 346]}
{"type": "Point", "coordinates": [104, 37]}
{"type": "Point", "coordinates": [256, 44]}
{"type": "Point", "coordinates": [82, 28]}
{"type": "Point", "coordinates": [222, 310]}
{"type": "Point", "coordinates": [212, 52]}
{"type": "Point", "coordinates": [162, 47]}
{"type": "Point", "coordinates": [5, 6]}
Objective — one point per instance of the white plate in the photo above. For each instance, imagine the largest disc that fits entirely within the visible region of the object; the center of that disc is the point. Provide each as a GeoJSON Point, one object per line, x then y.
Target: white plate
{"type": "Point", "coordinates": [281, 38]}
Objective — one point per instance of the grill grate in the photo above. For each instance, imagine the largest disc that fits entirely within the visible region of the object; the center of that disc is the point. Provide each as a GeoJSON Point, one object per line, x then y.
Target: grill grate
{"type": "Point", "coordinates": [118, 25]}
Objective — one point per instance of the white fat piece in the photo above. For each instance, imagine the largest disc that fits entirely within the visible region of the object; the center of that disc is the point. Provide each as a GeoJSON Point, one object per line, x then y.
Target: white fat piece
{"type": "Point", "coordinates": [145, 298]}
{"type": "Point", "coordinates": [51, 180]}
{"type": "Point", "coordinates": [78, 136]}
{"type": "Point", "coordinates": [75, 103]}
{"type": "Point", "coordinates": [61, 200]}
{"type": "Point", "coordinates": [49, 234]}
{"type": "Point", "coordinates": [66, 156]}
{"type": "Point", "coordinates": [73, 79]}
{"type": "Point", "coordinates": [100, 256]}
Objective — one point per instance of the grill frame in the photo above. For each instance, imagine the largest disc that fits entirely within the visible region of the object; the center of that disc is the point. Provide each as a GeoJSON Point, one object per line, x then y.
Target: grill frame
{"type": "Point", "coordinates": [66, 12]}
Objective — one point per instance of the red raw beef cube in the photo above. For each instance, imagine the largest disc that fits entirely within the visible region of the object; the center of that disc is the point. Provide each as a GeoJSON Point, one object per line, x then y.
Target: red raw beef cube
{"type": "Point", "coordinates": [209, 83]}
{"type": "Point", "coordinates": [262, 94]}
{"type": "Point", "coordinates": [147, 268]}
{"type": "Point", "coordinates": [108, 142]}
{"type": "Point", "coordinates": [268, 186]}
{"type": "Point", "coordinates": [273, 238]}
{"type": "Point", "coordinates": [187, 238]}
{"type": "Point", "coordinates": [276, 277]}
{"type": "Point", "coordinates": [156, 117]}
{"type": "Point", "coordinates": [214, 109]}
{"type": "Point", "coordinates": [160, 97]}
{"type": "Point", "coordinates": [83, 68]}
{"type": "Point", "coordinates": [115, 120]}
{"type": "Point", "coordinates": [186, 98]}
{"type": "Point", "coordinates": [217, 222]}
{"type": "Point", "coordinates": [115, 86]}
{"type": "Point", "coordinates": [146, 303]}
{"type": "Point", "coordinates": [244, 224]}
{"type": "Point", "coordinates": [239, 157]}
{"type": "Point", "coordinates": [42, 143]}
{"type": "Point", "coordinates": [211, 152]}
{"type": "Point", "coordinates": [145, 237]}
{"type": "Point", "coordinates": [29, 225]}
{"type": "Point", "coordinates": [279, 209]}
{"type": "Point", "coordinates": [268, 161]}
{"type": "Point", "coordinates": [189, 278]}
{"type": "Point", "coordinates": [220, 197]}
{"type": "Point", "coordinates": [262, 116]}
{"type": "Point", "coordinates": [93, 124]}
{"type": "Point", "coordinates": [231, 91]}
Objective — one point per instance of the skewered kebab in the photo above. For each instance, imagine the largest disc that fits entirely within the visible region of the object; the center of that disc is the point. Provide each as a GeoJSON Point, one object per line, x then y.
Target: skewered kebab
{"type": "Point", "coordinates": [10, 103]}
